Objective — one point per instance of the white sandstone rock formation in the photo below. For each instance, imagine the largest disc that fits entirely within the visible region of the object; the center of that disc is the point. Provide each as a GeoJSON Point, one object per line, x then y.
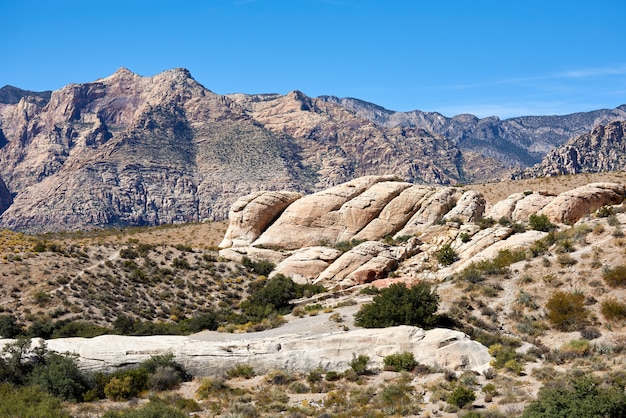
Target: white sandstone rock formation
{"type": "Point", "coordinates": [333, 351]}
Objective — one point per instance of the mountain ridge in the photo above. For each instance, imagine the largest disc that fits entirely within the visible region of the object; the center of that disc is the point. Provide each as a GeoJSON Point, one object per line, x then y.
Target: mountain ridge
{"type": "Point", "coordinates": [133, 150]}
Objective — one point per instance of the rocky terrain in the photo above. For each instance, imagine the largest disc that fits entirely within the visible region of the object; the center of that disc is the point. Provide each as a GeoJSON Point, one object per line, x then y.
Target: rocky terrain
{"type": "Point", "coordinates": [132, 150]}
{"type": "Point", "coordinates": [603, 149]}
{"type": "Point", "coordinates": [497, 271]}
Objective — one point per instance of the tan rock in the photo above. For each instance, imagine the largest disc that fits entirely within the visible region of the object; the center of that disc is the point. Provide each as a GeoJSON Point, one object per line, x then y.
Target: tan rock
{"type": "Point", "coordinates": [349, 261]}
{"type": "Point", "coordinates": [432, 210]}
{"type": "Point", "coordinates": [332, 215]}
{"type": "Point", "coordinates": [505, 208]}
{"type": "Point", "coordinates": [530, 205]}
{"type": "Point", "coordinates": [251, 214]}
{"type": "Point", "coordinates": [469, 208]}
{"type": "Point", "coordinates": [395, 214]}
{"type": "Point", "coordinates": [568, 207]}
{"type": "Point", "coordinates": [304, 265]}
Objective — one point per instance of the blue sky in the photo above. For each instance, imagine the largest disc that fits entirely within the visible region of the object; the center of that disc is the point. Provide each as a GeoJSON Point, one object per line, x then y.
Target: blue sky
{"type": "Point", "coordinates": [504, 58]}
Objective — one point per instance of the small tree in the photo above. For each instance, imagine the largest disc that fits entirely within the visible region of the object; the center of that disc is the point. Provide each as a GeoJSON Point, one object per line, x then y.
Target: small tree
{"type": "Point", "coordinates": [399, 305]}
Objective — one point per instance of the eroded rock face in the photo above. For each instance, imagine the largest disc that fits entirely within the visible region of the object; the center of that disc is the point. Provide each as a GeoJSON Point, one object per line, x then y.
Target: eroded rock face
{"type": "Point", "coordinates": [570, 206]}
{"type": "Point", "coordinates": [332, 215]}
{"type": "Point", "coordinates": [421, 219]}
{"type": "Point", "coordinates": [203, 356]}
{"type": "Point", "coordinates": [252, 214]}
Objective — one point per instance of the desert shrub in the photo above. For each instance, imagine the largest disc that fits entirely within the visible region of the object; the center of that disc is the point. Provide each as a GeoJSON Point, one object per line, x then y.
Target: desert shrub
{"type": "Point", "coordinates": [604, 212]}
{"type": "Point", "coordinates": [164, 372]}
{"type": "Point", "coordinates": [261, 267]}
{"type": "Point", "coordinates": [69, 328]}
{"type": "Point", "coordinates": [612, 309]}
{"type": "Point", "coordinates": [9, 327]}
{"type": "Point", "coordinates": [278, 377]}
{"type": "Point", "coordinates": [359, 363]}
{"type": "Point", "coordinates": [464, 237]}
{"type": "Point", "coordinates": [164, 378]}
{"type": "Point", "coordinates": [181, 263]}
{"type": "Point", "coordinates": [345, 246]}
{"type": "Point", "coordinates": [616, 276]}
{"type": "Point", "coordinates": [241, 370]}
{"type": "Point", "coordinates": [505, 357]}
{"type": "Point", "coordinates": [274, 296]}
{"type": "Point", "coordinates": [399, 305]}
{"type": "Point", "coordinates": [129, 253]}
{"type": "Point", "coordinates": [566, 260]}
{"type": "Point", "coordinates": [446, 255]}
{"type": "Point", "coordinates": [184, 248]}
{"type": "Point", "coordinates": [566, 311]}
{"type": "Point", "coordinates": [590, 333]}
{"type": "Point", "coordinates": [60, 376]}
{"type": "Point", "coordinates": [126, 384]}
{"type": "Point", "coordinates": [400, 361]}
{"type": "Point", "coordinates": [484, 223]}
{"type": "Point", "coordinates": [581, 397]}
{"type": "Point", "coordinates": [461, 396]}
{"type": "Point", "coordinates": [154, 409]}
{"type": "Point", "coordinates": [540, 223]}
{"type": "Point", "coordinates": [29, 401]}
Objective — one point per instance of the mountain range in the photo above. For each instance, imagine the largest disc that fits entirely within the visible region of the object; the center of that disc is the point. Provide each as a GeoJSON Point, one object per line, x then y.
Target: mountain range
{"type": "Point", "coordinates": [132, 150]}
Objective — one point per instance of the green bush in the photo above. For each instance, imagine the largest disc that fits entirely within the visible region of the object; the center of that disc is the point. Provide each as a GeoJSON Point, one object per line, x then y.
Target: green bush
{"type": "Point", "coordinates": [446, 255]}
{"type": "Point", "coordinates": [9, 327]}
{"type": "Point", "coordinates": [60, 376]}
{"type": "Point", "coordinates": [400, 361]}
{"type": "Point", "coordinates": [359, 363]}
{"type": "Point", "coordinates": [399, 305]}
{"type": "Point", "coordinates": [345, 246]}
{"type": "Point", "coordinates": [261, 267]}
{"type": "Point", "coordinates": [154, 409]}
{"type": "Point", "coordinates": [540, 223]}
{"type": "Point", "coordinates": [461, 396]}
{"type": "Point", "coordinates": [616, 276]}
{"type": "Point", "coordinates": [581, 397]}
{"type": "Point", "coordinates": [566, 311]}
{"type": "Point", "coordinates": [29, 401]}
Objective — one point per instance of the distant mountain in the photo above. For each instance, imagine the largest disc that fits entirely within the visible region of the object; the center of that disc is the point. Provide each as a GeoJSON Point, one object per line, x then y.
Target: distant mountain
{"type": "Point", "coordinates": [521, 141]}
{"type": "Point", "coordinates": [132, 150]}
{"type": "Point", "coordinates": [604, 149]}
{"type": "Point", "coordinates": [13, 95]}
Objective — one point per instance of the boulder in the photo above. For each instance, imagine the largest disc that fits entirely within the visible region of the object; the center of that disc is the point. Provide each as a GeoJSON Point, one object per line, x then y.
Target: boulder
{"type": "Point", "coordinates": [530, 205]}
{"type": "Point", "coordinates": [568, 207]}
{"type": "Point", "coordinates": [251, 214]}
{"type": "Point", "coordinates": [469, 208]}
{"type": "Point", "coordinates": [349, 261]}
{"type": "Point", "coordinates": [505, 208]}
{"type": "Point", "coordinates": [304, 265]}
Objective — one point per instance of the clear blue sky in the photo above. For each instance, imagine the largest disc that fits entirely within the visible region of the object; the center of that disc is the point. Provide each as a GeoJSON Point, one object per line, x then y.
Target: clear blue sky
{"type": "Point", "coordinates": [504, 58]}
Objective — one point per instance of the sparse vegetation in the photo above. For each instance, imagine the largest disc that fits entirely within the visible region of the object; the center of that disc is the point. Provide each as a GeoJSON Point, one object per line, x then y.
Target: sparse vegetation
{"type": "Point", "coordinates": [540, 223]}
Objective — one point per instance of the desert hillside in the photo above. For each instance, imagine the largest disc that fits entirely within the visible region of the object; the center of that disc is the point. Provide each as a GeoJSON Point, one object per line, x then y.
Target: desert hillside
{"type": "Point", "coordinates": [544, 296]}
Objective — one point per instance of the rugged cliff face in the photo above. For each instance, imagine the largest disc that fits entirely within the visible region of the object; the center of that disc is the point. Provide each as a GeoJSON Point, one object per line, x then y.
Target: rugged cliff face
{"type": "Point", "coordinates": [132, 150]}
{"type": "Point", "coordinates": [604, 149]}
{"type": "Point", "coordinates": [517, 141]}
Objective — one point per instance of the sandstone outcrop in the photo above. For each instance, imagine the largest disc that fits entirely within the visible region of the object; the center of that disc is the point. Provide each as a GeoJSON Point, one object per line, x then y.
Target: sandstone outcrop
{"type": "Point", "coordinates": [404, 226]}
{"type": "Point", "coordinates": [252, 214]}
{"type": "Point", "coordinates": [203, 355]}
{"type": "Point", "coordinates": [570, 206]}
